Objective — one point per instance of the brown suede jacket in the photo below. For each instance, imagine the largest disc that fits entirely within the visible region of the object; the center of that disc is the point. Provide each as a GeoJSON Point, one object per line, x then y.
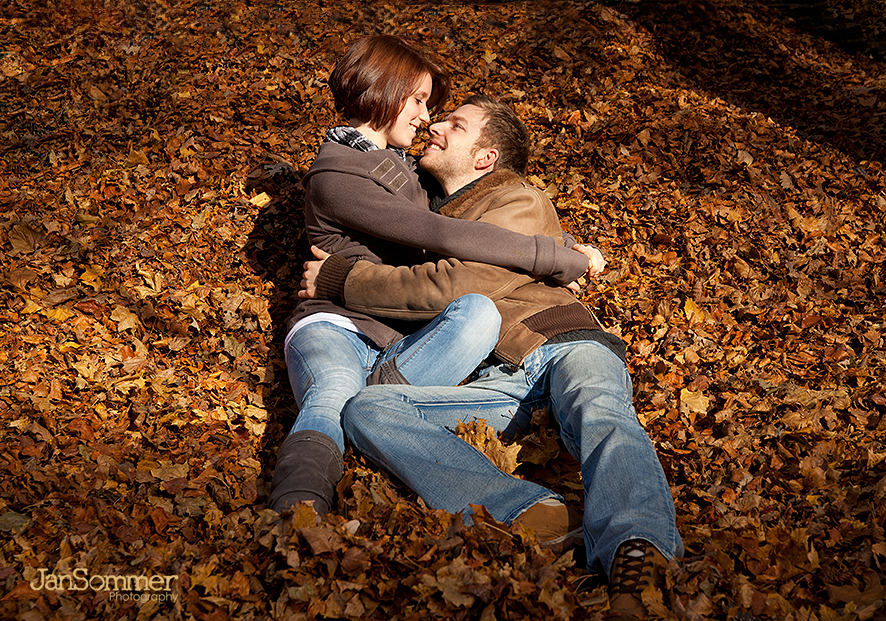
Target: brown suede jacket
{"type": "Point", "coordinates": [532, 310]}
{"type": "Point", "coordinates": [371, 206]}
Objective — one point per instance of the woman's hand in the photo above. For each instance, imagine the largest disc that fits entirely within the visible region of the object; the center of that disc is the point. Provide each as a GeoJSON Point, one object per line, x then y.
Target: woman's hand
{"type": "Point", "coordinates": [312, 270]}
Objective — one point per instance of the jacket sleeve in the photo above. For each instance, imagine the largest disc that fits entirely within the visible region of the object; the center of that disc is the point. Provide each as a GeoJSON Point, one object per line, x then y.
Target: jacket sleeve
{"type": "Point", "coordinates": [422, 291]}
{"type": "Point", "coordinates": [362, 205]}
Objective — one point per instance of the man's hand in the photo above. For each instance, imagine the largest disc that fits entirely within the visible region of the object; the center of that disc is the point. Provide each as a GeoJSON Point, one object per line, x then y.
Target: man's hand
{"type": "Point", "coordinates": [596, 262]}
{"type": "Point", "coordinates": [312, 270]}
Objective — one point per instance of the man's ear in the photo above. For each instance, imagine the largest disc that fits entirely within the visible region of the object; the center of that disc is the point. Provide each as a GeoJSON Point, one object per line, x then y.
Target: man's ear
{"type": "Point", "coordinates": [486, 159]}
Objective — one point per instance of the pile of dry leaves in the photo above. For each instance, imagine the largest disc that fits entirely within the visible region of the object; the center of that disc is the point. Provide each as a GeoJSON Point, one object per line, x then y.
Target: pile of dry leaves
{"type": "Point", "coordinates": [729, 164]}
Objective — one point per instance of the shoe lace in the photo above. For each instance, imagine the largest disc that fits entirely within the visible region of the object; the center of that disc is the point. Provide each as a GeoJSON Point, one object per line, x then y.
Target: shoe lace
{"type": "Point", "coordinates": [633, 571]}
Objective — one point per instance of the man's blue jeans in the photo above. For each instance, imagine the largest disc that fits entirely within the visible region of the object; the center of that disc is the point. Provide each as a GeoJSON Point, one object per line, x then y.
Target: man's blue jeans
{"type": "Point", "coordinates": [586, 387]}
{"type": "Point", "coordinates": [328, 364]}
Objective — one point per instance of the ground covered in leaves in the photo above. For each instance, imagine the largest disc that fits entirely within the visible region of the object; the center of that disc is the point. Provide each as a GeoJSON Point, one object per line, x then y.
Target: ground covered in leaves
{"type": "Point", "coordinates": [729, 164]}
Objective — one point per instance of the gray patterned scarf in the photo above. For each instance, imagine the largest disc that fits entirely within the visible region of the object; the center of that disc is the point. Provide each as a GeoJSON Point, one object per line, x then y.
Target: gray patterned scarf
{"type": "Point", "coordinates": [350, 137]}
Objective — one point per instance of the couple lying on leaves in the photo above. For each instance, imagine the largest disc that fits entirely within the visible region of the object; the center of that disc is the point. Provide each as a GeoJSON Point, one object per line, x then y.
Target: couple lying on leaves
{"type": "Point", "coordinates": [494, 305]}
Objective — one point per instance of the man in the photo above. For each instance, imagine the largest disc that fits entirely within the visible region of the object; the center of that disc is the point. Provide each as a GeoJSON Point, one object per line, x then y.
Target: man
{"type": "Point", "coordinates": [551, 352]}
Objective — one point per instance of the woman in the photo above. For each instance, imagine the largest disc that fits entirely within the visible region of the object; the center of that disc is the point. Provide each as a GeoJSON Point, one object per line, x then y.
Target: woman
{"type": "Point", "coordinates": [363, 200]}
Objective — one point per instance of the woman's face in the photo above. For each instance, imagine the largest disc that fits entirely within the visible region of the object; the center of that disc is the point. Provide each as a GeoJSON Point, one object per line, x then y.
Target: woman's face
{"type": "Point", "coordinates": [415, 112]}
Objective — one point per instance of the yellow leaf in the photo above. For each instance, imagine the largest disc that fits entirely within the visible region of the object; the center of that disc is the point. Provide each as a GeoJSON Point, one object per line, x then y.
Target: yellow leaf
{"type": "Point", "coordinates": [304, 516]}
{"type": "Point", "coordinates": [694, 402]}
{"type": "Point", "coordinates": [167, 471]}
{"type": "Point", "coordinates": [59, 314]}
{"type": "Point", "coordinates": [653, 600]}
{"type": "Point", "coordinates": [256, 413]}
{"type": "Point", "coordinates": [478, 434]}
{"type": "Point", "coordinates": [126, 385]}
{"type": "Point", "coordinates": [193, 307]}
{"type": "Point", "coordinates": [138, 157]}
{"type": "Point", "coordinates": [31, 307]}
{"type": "Point", "coordinates": [204, 574]}
{"type": "Point", "coordinates": [256, 429]}
{"type": "Point", "coordinates": [261, 200]}
{"type": "Point", "coordinates": [125, 318]}
{"type": "Point", "coordinates": [694, 313]}
{"type": "Point", "coordinates": [85, 218]}
{"type": "Point", "coordinates": [86, 367]}
{"type": "Point", "coordinates": [199, 220]}
{"type": "Point", "coordinates": [92, 276]}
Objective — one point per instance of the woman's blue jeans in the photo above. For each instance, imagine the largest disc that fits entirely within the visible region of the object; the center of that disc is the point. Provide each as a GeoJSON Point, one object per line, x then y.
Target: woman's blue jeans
{"type": "Point", "coordinates": [587, 388]}
{"type": "Point", "coordinates": [328, 364]}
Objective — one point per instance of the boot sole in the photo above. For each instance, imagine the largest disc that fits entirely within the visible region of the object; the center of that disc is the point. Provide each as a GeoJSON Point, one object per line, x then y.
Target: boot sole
{"type": "Point", "coordinates": [565, 542]}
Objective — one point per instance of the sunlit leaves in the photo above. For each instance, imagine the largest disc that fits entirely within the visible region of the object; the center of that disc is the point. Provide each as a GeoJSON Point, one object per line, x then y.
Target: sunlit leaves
{"type": "Point", "coordinates": [151, 242]}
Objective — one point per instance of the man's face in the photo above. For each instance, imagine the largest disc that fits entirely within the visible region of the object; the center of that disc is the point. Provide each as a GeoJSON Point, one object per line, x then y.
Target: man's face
{"type": "Point", "coordinates": [450, 153]}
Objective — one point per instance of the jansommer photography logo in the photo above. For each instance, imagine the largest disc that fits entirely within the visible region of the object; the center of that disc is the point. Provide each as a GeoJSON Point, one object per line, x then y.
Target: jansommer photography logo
{"type": "Point", "coordinates": [123, 588]}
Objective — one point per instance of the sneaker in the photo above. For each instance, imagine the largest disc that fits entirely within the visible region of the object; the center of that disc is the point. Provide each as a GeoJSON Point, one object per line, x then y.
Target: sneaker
{"type": "Point", "coordinates": [557, 527]}
{"type": "Point", "coordinates": [637, 565]}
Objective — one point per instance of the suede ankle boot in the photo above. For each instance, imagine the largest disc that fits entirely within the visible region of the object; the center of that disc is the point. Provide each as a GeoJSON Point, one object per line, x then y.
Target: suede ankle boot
{"type": "Point", "coordinates": [557, 527]}
{"type": "Point", "coordinates": [637, 565]}
{"type": "Point", "coordinates": [309, 466]}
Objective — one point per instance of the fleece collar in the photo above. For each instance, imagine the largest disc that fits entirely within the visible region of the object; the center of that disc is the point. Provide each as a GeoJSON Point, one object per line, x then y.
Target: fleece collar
{"type": "Point", "coordinates": [459, 202]}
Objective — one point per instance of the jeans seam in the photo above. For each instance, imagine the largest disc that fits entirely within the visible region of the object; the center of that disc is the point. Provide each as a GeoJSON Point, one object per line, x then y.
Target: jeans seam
{"type": "Point", "coordinates": [453, 307]}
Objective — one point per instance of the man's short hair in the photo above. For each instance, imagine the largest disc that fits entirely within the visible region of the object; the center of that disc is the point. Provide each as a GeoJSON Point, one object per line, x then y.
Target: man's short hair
{"type": "Point", "coordinates": [377, 73]}
{"type": "Point", "coordinates": [504, 131]}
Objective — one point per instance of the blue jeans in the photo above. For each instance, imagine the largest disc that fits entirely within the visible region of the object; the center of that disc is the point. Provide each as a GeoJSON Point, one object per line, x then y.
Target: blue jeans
{"type": "Point", "coordinates": [328, 364]}
{"type": "Point", "coordinates": [586, 387]}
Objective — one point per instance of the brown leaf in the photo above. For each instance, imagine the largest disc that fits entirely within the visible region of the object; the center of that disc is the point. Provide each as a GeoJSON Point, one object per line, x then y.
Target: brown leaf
{"type": "Point", "coordinates": [88, 307]}
{"type": "Point", "coordinates": [355, 561]}
{"type": "Point", "coordinates": [321, 539]}
{"type": "Point", "coordinates": [20, 278]}
{"type": "Point", "coordinates": [871, 591]}
{"type": "Point", "coordinates": [24, 239]}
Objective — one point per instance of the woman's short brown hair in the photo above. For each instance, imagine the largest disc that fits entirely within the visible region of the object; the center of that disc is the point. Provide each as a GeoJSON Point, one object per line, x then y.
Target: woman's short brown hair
{"type": "Point", "coordinates": [373, 79]}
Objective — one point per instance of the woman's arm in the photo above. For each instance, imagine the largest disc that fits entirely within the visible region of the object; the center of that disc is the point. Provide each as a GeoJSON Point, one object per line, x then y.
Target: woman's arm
{"type": "Point", "coordinates": [360, 204]}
